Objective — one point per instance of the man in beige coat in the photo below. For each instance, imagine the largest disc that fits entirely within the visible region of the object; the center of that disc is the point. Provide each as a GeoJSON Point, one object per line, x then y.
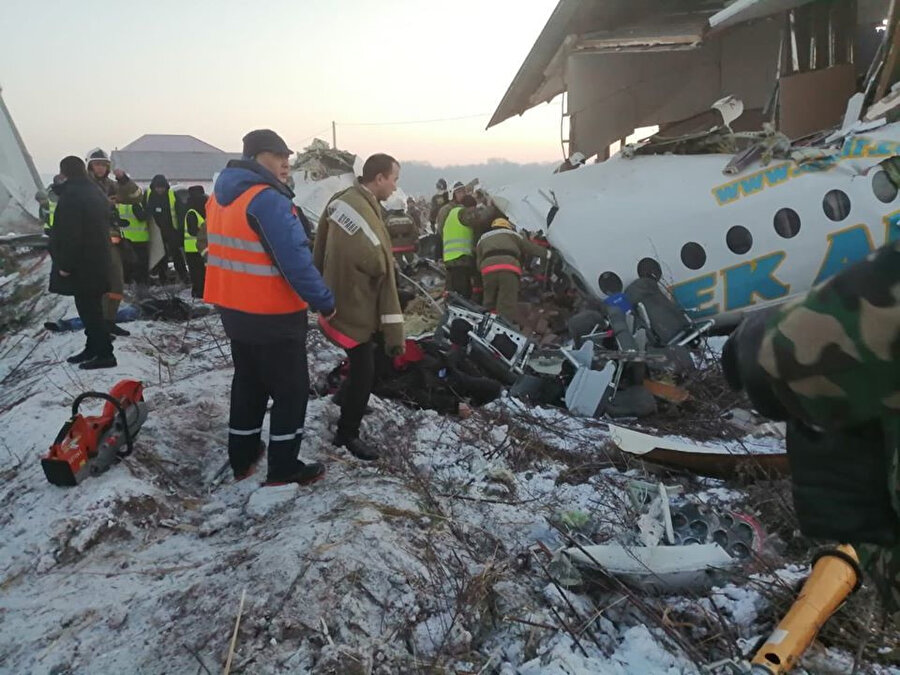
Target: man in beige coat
{"type": "Point", "coordinates": [353, 252]}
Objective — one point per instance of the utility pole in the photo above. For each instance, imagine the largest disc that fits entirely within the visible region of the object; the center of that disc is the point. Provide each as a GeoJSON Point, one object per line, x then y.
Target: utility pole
{"type": "Point", "coordinates": [333, 135]}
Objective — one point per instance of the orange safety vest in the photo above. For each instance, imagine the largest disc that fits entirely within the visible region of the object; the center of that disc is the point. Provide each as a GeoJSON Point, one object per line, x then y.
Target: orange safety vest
{"type": "Point", "coordinates": [240, 274]}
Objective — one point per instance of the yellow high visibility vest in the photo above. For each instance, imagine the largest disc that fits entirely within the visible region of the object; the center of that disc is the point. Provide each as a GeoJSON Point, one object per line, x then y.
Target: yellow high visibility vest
{"type": "Point", "coordinates": [459, 240]}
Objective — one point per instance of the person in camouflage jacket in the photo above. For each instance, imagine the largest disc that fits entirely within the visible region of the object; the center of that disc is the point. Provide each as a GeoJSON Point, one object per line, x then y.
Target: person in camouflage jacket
{"type": "Point", "coordinates": [829, 364]}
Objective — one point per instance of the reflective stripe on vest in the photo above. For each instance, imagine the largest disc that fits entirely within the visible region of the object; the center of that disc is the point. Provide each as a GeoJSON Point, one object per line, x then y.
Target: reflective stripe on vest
{"type": "Point", "coordinates": [136, 230]}
{"type": "Point", "coordinates": [239, 272]}
{"type": "Point", "coordinates": [190, 241]}
{"type": "Point", "coordinates": [459, 240]}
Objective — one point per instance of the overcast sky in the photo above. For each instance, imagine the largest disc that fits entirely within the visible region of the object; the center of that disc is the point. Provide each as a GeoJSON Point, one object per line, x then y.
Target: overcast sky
{"type": "Point", "coordinates": [81, 74]}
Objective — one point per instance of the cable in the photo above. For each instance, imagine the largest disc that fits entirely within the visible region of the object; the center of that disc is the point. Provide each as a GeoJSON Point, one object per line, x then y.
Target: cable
{"type": "Point", "coordinates": [381, 124]}
{"type": "Point", "coordinates": [311, 136]}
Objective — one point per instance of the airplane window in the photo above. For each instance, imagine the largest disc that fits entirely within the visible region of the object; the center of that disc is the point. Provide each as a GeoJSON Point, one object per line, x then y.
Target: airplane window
{"type": "Point", "coordinates": [787, 223]}
{"type": "Point", "coordinates": [693, 256]}
{"type": "Point", "coordinates": [648, 268]}
{"type": "Point", "coordinates": [610, 283]}
{"type": "Point", "coordinates": [883, 188]}
{"type": "Point", "coordinates": [739, 240]}
{"type": "Point", "coordinates": [836, 205]}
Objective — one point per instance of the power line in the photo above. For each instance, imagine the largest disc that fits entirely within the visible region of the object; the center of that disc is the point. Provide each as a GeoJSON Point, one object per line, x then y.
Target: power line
{"type": "Point", "coordinates": [432, 121]}
{"type": "Point", "coordinates": [310, 137]}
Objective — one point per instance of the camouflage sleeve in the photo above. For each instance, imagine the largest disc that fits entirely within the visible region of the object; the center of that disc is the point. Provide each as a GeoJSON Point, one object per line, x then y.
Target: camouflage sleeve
{"type": "Point", "coordinates": [833, 358]}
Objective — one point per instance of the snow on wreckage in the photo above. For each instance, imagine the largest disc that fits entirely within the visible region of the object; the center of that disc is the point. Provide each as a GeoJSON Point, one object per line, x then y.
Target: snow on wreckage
{"type": "Point", "coordinates": [441, 558]}
{"type": "Point", "coordinates": [515, 540]}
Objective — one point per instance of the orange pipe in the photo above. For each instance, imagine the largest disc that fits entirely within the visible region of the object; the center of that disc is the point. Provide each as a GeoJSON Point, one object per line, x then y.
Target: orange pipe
{"type": "Point", "coordinates": [835, 575]}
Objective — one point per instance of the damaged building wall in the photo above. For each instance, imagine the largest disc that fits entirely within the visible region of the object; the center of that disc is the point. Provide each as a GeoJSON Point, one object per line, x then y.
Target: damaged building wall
{"type": "Point", "coordinates": [646, 88]}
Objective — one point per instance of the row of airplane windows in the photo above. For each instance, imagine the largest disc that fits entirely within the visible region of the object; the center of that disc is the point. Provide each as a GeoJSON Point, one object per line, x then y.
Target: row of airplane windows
{"type": "Point", "coordinates": [836, 205]}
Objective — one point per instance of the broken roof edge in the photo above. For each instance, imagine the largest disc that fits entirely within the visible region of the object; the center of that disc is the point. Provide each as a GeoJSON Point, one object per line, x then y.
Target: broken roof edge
{"type": "Point", "coordinates": [533, 83]}
{"type": "Point", "coordinates": [742, 11]}
{"type": "Point", "coordinates": [535, 64]}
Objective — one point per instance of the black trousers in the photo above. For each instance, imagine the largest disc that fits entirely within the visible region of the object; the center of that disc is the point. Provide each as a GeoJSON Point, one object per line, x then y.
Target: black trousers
{"type": "Point", "coordinates": [90, 311]}
{"type": "Point", "coordinates": [173, 240]}
{"type": "Point", "coordinates": [356, 389]}
{"type": "Point", "coordinates": [197, 267]}
{"type": "Point", "coordinates": [459, 280]}
{"type": "Point", "coordinates": [139, 270]}
{"type": "Point", "coordinates": [263, 371]}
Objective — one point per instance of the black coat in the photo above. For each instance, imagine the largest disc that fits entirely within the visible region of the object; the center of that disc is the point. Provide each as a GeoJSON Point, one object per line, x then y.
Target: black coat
{"type": "Point", "coordinates": [79, 240]}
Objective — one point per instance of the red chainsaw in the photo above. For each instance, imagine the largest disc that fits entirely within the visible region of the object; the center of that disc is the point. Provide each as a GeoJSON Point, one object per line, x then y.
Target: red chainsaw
{"type": "Point", "coordinates": [88, 446]}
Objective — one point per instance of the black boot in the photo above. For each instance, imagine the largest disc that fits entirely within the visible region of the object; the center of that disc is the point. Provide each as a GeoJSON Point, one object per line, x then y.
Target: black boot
{"type": "Point", "coordinates": [338, 399]}
{"type": "Point", "coordinates": [357, 447]}
{"type": "Point", "coordinates": [114, 329]}
{"type": "Point", "coordinates": [99, 362]}
{"type": "Point", "coordinates": [81, 357]}
{"type": "Point", "coordinates": [249, 470]}
{"type": "Point", "coordinates": [304, 474]}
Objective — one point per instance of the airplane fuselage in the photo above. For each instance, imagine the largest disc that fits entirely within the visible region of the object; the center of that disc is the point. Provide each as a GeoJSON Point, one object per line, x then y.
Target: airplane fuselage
{"type": "Point", "coordinates": [722, 244]}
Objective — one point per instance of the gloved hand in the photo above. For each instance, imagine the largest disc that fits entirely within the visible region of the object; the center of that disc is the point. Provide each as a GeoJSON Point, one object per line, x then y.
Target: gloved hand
{"type": "Point", "coordinates": [740, 365]}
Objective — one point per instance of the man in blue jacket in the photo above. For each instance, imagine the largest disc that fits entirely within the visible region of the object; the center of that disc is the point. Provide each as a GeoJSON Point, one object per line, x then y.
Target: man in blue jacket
{"type": "Point", "coordinates": [261, 276]}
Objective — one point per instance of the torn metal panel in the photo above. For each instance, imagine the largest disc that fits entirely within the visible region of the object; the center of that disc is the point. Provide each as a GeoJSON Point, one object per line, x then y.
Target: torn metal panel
{"type": "Point", "coordinates": [714, 461]}
{"type": "Point", "coordinates": [741, 11]}
{"type": "Point", "coordinates": [19, 179]}
{"type": "Point", "coordinates": [815, 100]}
{"type": "Point", "coordinates": [656, 568]}
{"type": "Point", "coordinates": [612, 93]}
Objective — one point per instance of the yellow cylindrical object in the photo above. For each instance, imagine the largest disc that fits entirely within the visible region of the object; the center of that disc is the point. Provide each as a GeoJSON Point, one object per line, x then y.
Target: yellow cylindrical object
{"type": "Point", "coordinates": [833, 578]}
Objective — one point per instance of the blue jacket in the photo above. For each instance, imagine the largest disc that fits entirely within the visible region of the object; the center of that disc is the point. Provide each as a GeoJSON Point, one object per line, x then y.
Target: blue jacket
{"type": "Point", "coordinates": [271, 217]}
{"type": "Point", "coordinates": [282, 235]}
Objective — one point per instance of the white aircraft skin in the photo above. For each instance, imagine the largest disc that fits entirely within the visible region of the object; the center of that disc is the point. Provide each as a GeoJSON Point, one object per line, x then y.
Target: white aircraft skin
{"type": "Point", "coordinates": [722, 244]}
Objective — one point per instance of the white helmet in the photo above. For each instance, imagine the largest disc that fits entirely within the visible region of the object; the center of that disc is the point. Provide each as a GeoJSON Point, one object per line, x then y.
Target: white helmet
{"type": "Point", "coordinates": [96, 155]}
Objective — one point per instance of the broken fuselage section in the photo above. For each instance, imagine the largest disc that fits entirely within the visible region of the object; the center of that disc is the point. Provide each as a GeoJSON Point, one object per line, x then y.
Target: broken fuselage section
{"type": "Point", "coordinates": [723, 244]}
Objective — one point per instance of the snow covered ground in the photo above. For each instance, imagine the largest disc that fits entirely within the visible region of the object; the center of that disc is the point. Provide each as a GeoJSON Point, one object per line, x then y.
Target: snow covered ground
{"type": "Point", "coordinates": [427, 561]}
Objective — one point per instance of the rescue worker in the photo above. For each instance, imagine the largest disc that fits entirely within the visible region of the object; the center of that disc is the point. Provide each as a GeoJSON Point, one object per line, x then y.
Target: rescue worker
{"type": "Point", "coordinates": [80, 252]}
{"type": "Point", "coordinates": [404, 236]}
{"type": "Point", "coordinates": [462, 227]}
{"type": "Point", "coordinates": [412, 210]}
{"type": "Point", "coordinates": [261, 276]}
{"type": "Point", "coordinates": [194, 218]}
{"type": "Point", "coordinates": [42, 197]}
{"type": "Point", "coordinates": [438, 201]}
{"type": "Point", "coordinates": [829, 364]}
{"type": "Point", "coordinates": [134, 229]}
{"type": "Point", "coordinates": [459, 191]}
{"type": "Point", "coordinates": [162, 206]}
{"type": "Point", "coordinates": [122, 190]}
{"type": "Point", "coordinates": [353, 251]}
{"type": "Point", "coordinates": [54, 190]}
{"type": "Point", "coordinates": [501, 254]}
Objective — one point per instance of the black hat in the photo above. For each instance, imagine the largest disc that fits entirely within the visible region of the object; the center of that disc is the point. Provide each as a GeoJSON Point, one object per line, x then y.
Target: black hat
{"type": "Point", "coordinates": [159, 180]}
{"type": "Point", "coordinates": [265, 140]}
{"type": "Point", "coordinates": [72, 167]}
